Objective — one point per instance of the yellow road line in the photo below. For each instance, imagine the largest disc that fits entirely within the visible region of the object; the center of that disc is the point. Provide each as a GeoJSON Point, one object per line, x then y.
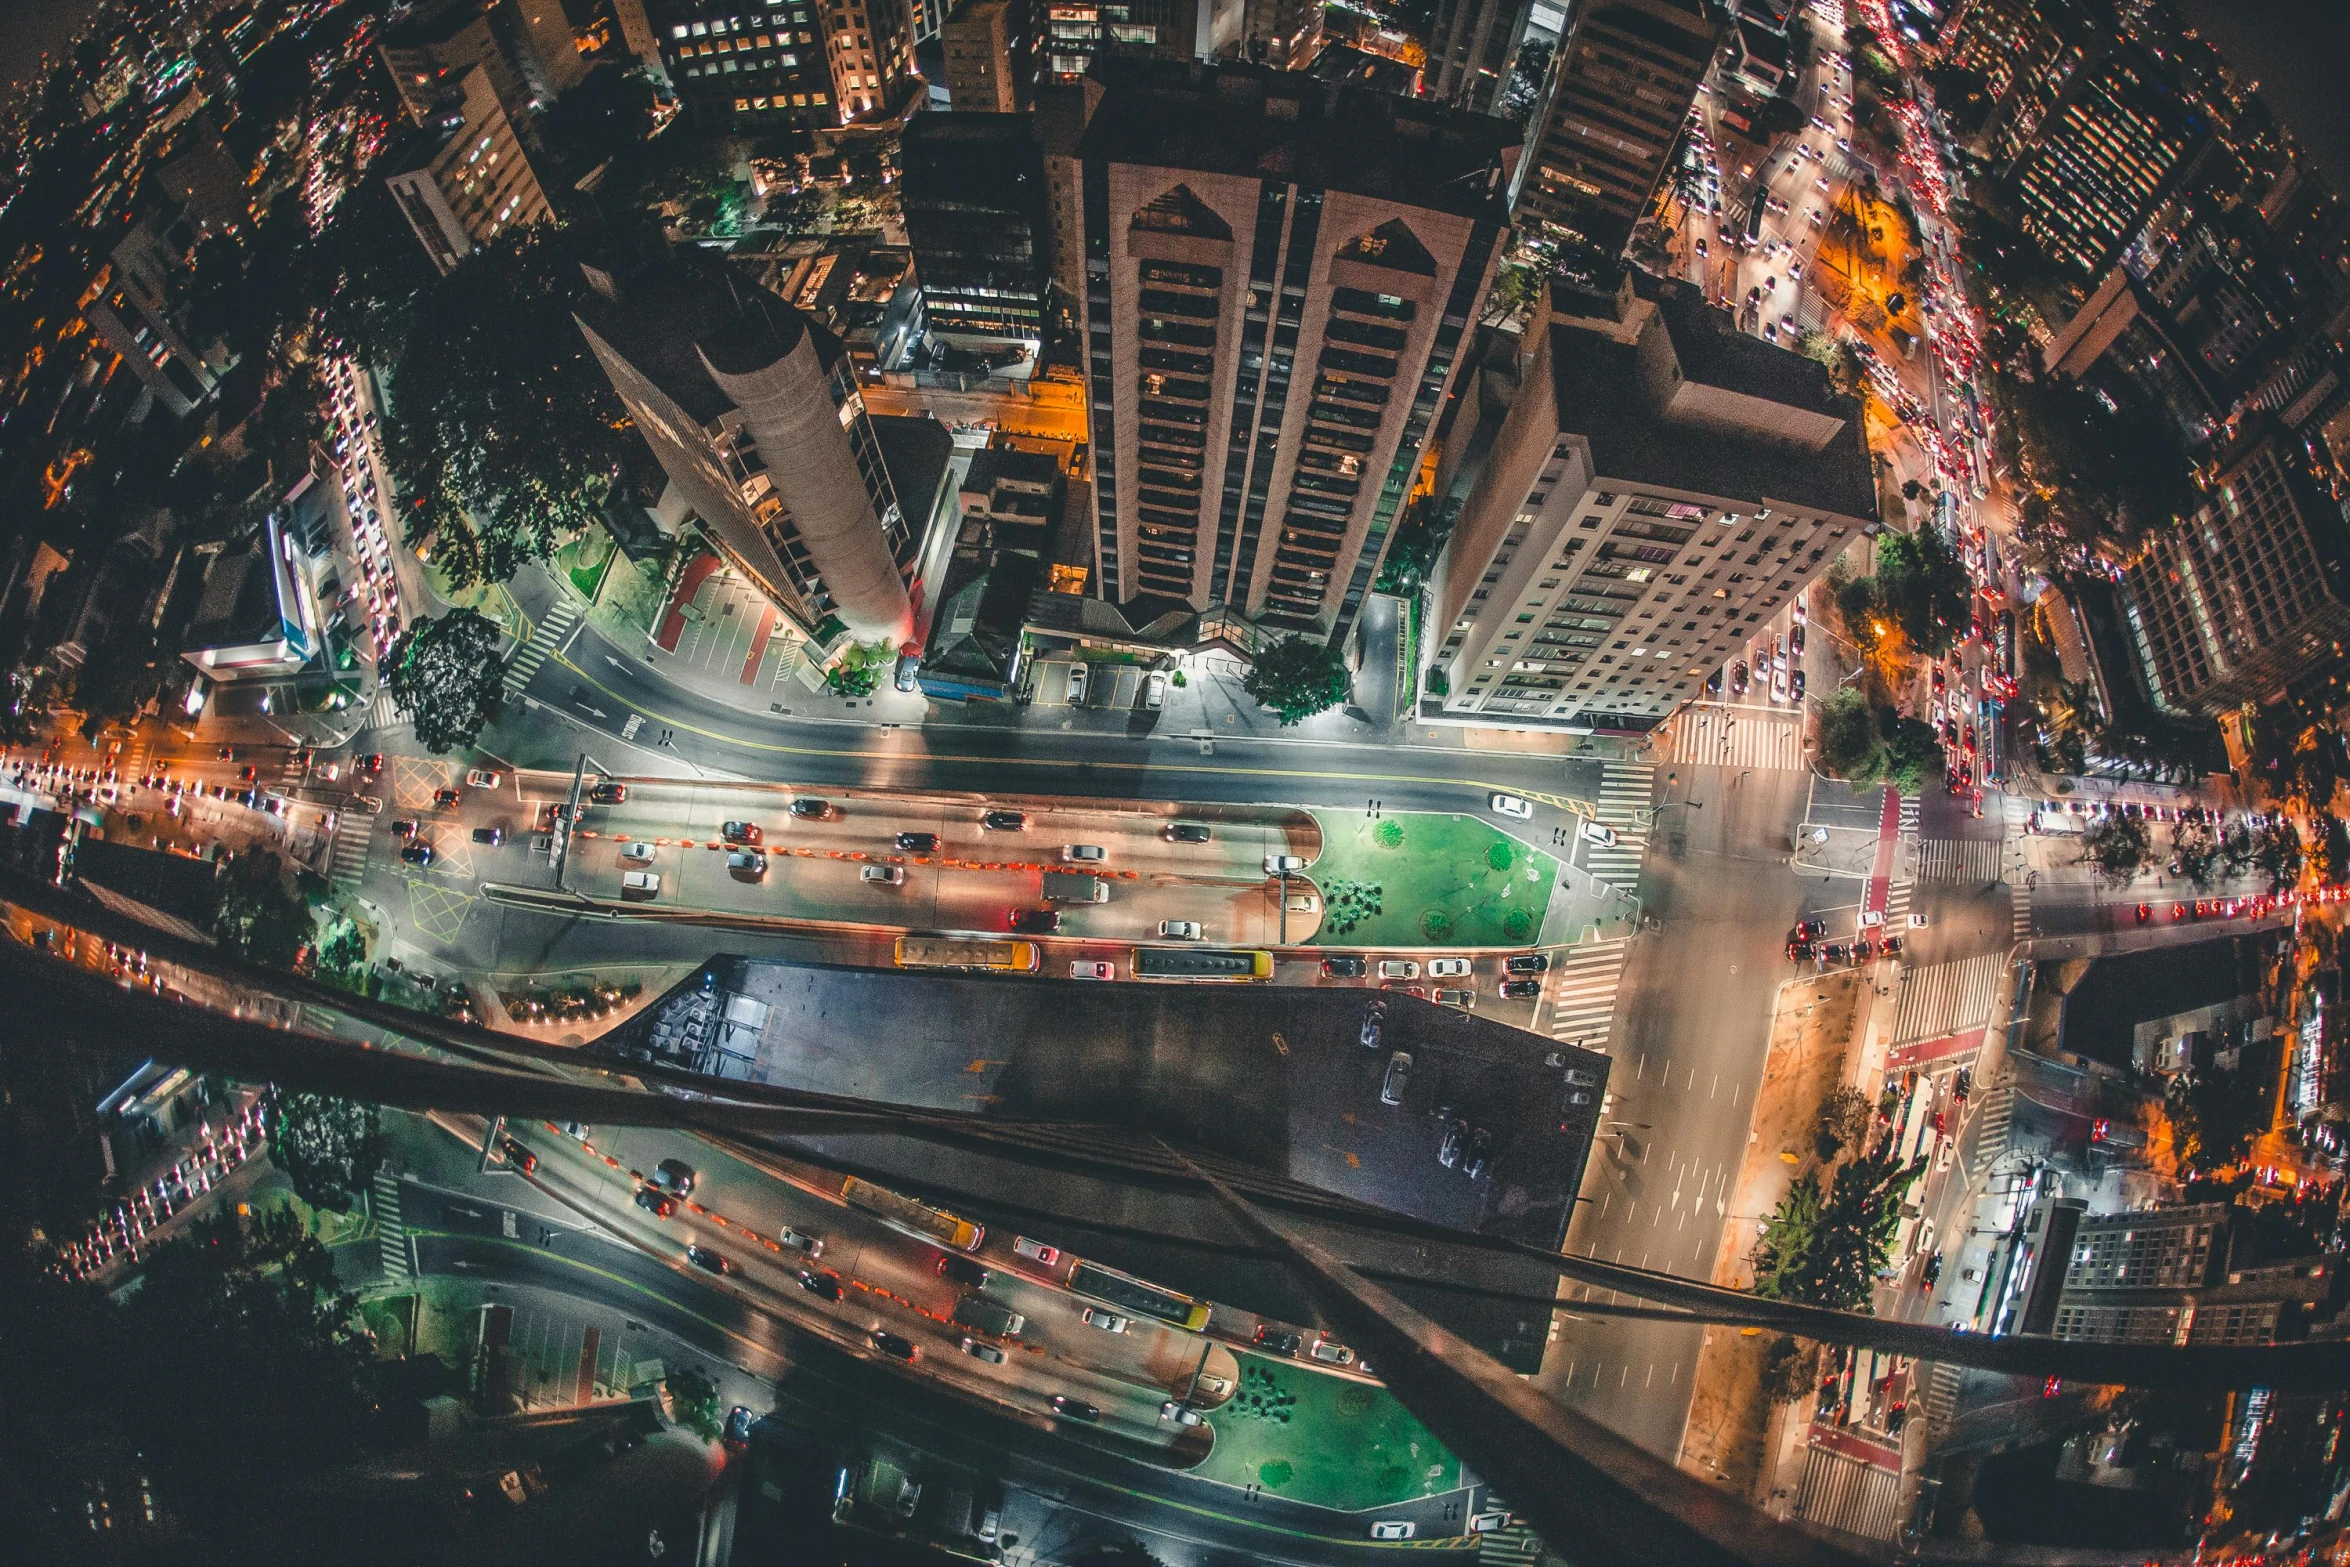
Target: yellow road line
{"type": "Point", "coordinates": [780, 749]}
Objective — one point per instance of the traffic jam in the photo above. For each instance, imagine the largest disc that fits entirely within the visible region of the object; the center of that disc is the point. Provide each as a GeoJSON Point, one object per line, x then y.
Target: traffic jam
{"type": "Point", "coordinates": [366, 498]}
{"type": "Point", "coordinates": [216, 1153]}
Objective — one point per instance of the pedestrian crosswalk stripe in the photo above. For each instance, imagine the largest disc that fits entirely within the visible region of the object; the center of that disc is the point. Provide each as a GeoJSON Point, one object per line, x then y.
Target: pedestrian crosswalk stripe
{"type": "Point", "coordinates": [1582, 992]}
{"type": "Point", "coordinates": [1624, 789]}
{"type": "Point", "coordinates": [1946, 998]}
{"type": "Point", "coordinates": [1721, 735]}
{"type": "Point", "coordinates": [545, 637]}
{"type": "Point", "coordinates": [1897, 905]}
{"type": "Point", "coordinates": [2019, 898]}
{"type": "Point", "coordinates": [1959, 859]}
{"type": "Point", "coordinates": [383, 712]}
{"type": "Point", "coordinates": [391, 1236]}
{"type": "Point", "coordinates": [354, 835]}
{"type": "Point", "coordinates": [1909, 815]}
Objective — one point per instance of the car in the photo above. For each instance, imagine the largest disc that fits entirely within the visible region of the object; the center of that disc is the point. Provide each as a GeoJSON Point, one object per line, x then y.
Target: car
{"type": "Point", "coordinates": [1795, 687]}
{"type": "Point", "coordinates": [1795, 638]}
{"type": "Point", "coordinates": [372, 764]}
{"type": "Point", "coordinates": [674, 1176]}
{"type": "Point", "coordinates": [708, 1261]}
{"type": "Point", "coordinates": [656, 1202]}
{"type": "Point", "coordinates": [403, 828]}
{"type": "Point", "coordinates": [1073, 1408]}
{"type": "Point", "coordinates": [822, 1282]}
{"type": "Point", "coordinates": [1527, 963]}
{"type": "Point", "coordinates": [1398, 1078]}
{"type": "Point", "coordinates": [1105, 1319]}
{"type": "Point", "coordinates": [1399, 968]}
{"type": "Point", "coordinates": [739, 1420]}
{"type": "Point", "coordinates": [960, 1270]}
{"type": "Point", "coordinates": [1076, 685]}
{"type": "Point", "coordinates": [748, 864]}
{"type": "Point", "coordinates": [1084, 853]}
{"type": "Point", "coordinates": [517, 1156]}
{"type": "Point", "coordinates": [1092, 968]}
{"type": "Point", "coordinates": [1274, 1339]}
{"type": "Point", "coordinates": [1394, 1529]}
{"type": "Point", "coordinates": [442, 799]}
{"type": "Point", "coordinates": [909, 666]}
{"type": "Point", "coordinates": [1005, 821]}
{"type": "Point", "coordinates": [980, 1349]}
{"type": "Point", "coordinates": [1448, 968]}
{"type": "Point", "coordinates": [1034, 922]}
{"type": "Point", "coordinates": [1154, 692]}
{"type": "Point", "coordinates": [1035, 1251]}
{"type": "Point", "coordinates": [1345, 968]}
{"type": "Point", "coordinates": [1374, 1025]}
{"type": "Point", "coordinates": [1596, 832]}
{"type": "Point", "coordinates": [640, 884]}
{"type": "Point", "coordinates": [1779, 683]}
{"type": "Point", "coordinates": [893, 1346]}
{"type": "Point", "coordinates": [418, 853]}
{"type": "Point", "coordinates": [1448, 1148]}
{"type": "Point", "coordinates": [1738, 678]}
{"type": "Point", "coordinates": [883, 875]}
{"type": "Point", "coordinates": [483, 778]}
{"type": "Point", "coordinates": [1178, 1413]}
{"type": "Point", "coordinates": [1330, 1354]}
{"type": "Point", "coordinates": [1465, 1000]}
{"type": "Point", "coordinates": [1283, 864]}
{"type": "Point", "coordinates": [252, 775]}
{"type": "Point", "coordinates": [1510, 805]}
{"type": "Point", "coordinates": [742, 832]}
{"type": "Point", "coordinates": [811, 1245]}
{"type": "Point", "coordinates": [1521, 989]}
{"type": "Point", "coordinates": [638, 852]}
{"type": "Point", "coordinates": [813, 810]}
{"type": "Point", "coordinates": [917, 842]}
{"type": "Point", "coordinates": [1180, 930]}
{"type": "Point", "coordinates": [1186, 832]}
{"type": "Point", "coordinates": [608, 794]}
{"type": "Point", "coordinates": [1699, 247]}
{"type": "Point", "coordinates": [493, 836]}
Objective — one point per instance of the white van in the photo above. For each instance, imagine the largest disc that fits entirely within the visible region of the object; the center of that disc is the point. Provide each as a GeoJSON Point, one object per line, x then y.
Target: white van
{"type": "Point", "coordinates": [641, 884]}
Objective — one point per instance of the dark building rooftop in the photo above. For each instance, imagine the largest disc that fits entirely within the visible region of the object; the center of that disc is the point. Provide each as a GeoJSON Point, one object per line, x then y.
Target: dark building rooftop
{"type": "Point", "coordinates": [916, 449]}
{"type": "Point", "coordinates": [663, 317]}
{"type": "Point", "coordinates": [1605, 392]}
{"type": "Point", "coordinates": [1251, 121]}
{"type": "Point", "coordinates": [2102, 1011]}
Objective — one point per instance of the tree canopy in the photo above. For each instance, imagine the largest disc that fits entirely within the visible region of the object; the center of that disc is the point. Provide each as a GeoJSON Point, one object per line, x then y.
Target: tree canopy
{"type": "Point", "coordinates": [444, 675]}
{"type": "Point", "coordinates": [2117, 848]}
{"type": "Point", "coordinates": [328, 1147]}
{"type": "Point", "coordinates": [1923, 584]}
{"type": "Point", "coordinates": [1824, 1247]}
{"type": "Point", "coordinates": [1877, 745]}
{"type": "Point", "coordinates": [1298, 677]}
{"type": "Point", "coordinates": [258, 914]}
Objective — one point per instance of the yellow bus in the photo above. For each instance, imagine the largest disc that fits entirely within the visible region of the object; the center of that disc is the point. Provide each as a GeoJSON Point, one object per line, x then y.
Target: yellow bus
{"type": "Point", "coordinates": [1203, 965]}
{"type": "Point", "coordinates": [979, 953]}
{"type": "Point", "coordinates": [932, 1224]}
{"type": "Point", "coordinates": [1129, 1293]}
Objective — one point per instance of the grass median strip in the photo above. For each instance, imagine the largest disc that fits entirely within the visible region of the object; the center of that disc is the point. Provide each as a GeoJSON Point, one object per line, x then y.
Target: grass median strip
{"type": "Point", "coordinates": [1427, 878]}
{"type": "Point", "coordinates": [1325, 1441]}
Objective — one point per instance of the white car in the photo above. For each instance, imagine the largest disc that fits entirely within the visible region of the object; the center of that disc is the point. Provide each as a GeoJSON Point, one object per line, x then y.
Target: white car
{"type": "Point", "coordinates": [1447, 968]}
{"type": "Point", "coordinates": [1076, 685]}
{"type": "Point", "coordinates": [1088, 968]}
{"type": "Point", "coordinates": [1597, 832]}
{"type": "Point", "coordinates": [1108, 1321]}
{"type": "Point", "coordinates": [1035, 1251]}
{"type": "Point", "coordinates": [883, 875]}
{"type": "Point", "coordinates": [1180, 930]}
{"type": "Point", "coordinates": [1154, 692]}
{"type": "Point", "coordinates": [1394, 1529]}
{"type": "Point", "coordinates": [1084, 853]}
{"type": "Point", "coordinates": [483, 778]}
{"type": "Point", "coordinates": [1280, 864]}
{"type": "Point", "coordinates": [1512, 806]}
{"type": "Point", "coordinates": [637, 853]}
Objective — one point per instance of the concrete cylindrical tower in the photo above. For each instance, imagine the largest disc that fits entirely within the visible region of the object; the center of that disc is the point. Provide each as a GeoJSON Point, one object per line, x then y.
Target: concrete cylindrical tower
{"type": "Point", "coordinates": [787, 406]}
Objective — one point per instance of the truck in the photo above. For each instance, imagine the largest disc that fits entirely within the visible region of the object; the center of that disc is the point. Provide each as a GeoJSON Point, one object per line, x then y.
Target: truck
{"type": "Point", "coordinates": [983, 1315]}
{"type": "Point", "coordinates": [1070, 887]}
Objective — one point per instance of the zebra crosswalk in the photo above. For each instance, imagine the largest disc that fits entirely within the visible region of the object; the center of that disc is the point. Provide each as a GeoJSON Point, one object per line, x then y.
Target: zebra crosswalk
{"type": "Point", "coordinates": [1909, 815]}
{"type": "Point", "coordinates": [1960, 859]}
{"type": "Point", "coordinates": [1517, 1545]}
{"type": "Point", "coordinates": [383, 712]}
{"type": "Point", "coordinates": [545, 637]}
{"type": "Point", "coordinates": [1946, 998]}
{"type": "Point", "coordinates": [1582, 992]}
{"type": "Point", "coordinates": [1624, 788]}
{"type": "Point", "coordinates": [2019, 898]}
{"type": "Point", "coordinates": [1991, 1124]}
{"type": "Point", "coordinates": [1897, 904]}
{"type": "Point", "coordinates": [354, 836]}
{"type": "Point", "coordinates": [1721, 735]}
{"type": "Point", "coordinates": [391, 1236]}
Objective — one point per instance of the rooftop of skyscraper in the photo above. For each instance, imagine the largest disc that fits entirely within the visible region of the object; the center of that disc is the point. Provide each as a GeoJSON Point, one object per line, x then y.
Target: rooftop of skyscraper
{"type": "Point", "coordinates": [1248, 120]}
{"type": "Point", "coordinates": [666, 315]}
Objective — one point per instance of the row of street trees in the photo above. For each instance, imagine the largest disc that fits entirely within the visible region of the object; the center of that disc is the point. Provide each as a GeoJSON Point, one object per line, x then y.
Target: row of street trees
{"type": "Point", "coordinates": [2119, 847]}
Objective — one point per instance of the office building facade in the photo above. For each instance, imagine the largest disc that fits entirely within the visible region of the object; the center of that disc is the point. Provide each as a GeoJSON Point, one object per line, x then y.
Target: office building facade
{"type": "Point", "coordinates": [740, 64]}
{"type": "Point", "coordinates": [2096, 163]}
{"type": "Point", "coordinates": [465, 181]}
{"type": "Point", "coordinates": [2247, 596]}
{"type": "Point", "coordinates": [2165, 1276]}
{"type": "Point", "coordinates": [429, 54]}
{"type": "Point", "coordinates": [990, 55]}
{"type": "Point", "coordinates": [751, 409]}
{"type": "Point", "coordinates": [1661, 486]}
{"type": "Point", "coordinates": [1267, 350]}
{"type": "Point", "coordinates": [1619, 97]}
{"type": "Point", "coordinates": [137, 310]}
{"type": "Point", "coordinates": [974, 197]}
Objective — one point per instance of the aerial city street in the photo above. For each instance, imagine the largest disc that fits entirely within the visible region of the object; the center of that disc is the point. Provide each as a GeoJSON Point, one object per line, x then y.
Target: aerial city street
{"type": "Point", "coordinates": [723, 838]}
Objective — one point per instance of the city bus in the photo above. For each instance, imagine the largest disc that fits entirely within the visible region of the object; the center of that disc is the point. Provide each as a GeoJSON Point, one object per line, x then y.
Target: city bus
{"type": "Point", "coordinates": [968, 953]}
{"type": "Point", "coordinates": [1128, 1293]}
{"type": "Point", "coordinates": [932, 1224]}
{"type": "Point", "coordinates": [1230, 965]}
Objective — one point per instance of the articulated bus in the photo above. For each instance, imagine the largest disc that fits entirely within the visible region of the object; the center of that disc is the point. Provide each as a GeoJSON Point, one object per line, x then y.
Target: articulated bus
{"type": "Point", "coordinates": [1128, 1293]}
{"type": "Point", "coordinates": [968, 953]}
{"type": "Point", "coordinates": [933, 1224]}
{"type": "Point", "coordinates": [1203, 964]}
